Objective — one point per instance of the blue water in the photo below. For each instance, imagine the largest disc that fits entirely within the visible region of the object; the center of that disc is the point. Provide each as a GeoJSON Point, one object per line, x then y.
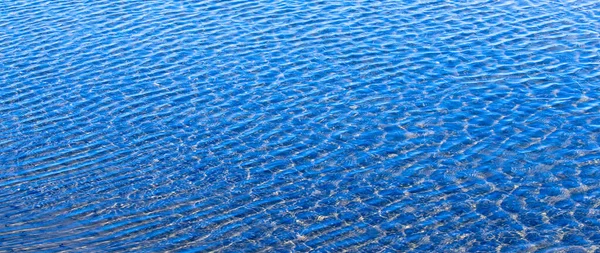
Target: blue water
{"type": "Point", "coordinates": [442, 126]}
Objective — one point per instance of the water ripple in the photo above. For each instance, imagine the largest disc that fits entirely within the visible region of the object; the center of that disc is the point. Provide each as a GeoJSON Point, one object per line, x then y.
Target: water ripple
{"type": "Point", "coordinates": [299, 126]}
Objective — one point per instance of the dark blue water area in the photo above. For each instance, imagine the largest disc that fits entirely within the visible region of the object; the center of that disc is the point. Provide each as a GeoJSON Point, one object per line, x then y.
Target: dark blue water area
{"type": "Point", "coordinates": [275, 126]}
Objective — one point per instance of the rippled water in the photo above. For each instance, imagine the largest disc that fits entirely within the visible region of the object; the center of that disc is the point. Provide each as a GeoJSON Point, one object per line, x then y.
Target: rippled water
{"type": "Point", "coordinates": [299, 125]}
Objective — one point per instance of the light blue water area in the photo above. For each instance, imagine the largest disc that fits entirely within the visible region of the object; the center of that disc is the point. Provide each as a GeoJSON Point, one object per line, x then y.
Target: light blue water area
{"type": "Point", "coordinates": [426, 126]}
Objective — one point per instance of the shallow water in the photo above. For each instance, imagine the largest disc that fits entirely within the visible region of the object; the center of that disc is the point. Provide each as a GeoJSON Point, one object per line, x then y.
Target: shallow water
{"type": "Point", "coordinates": [299, 125]}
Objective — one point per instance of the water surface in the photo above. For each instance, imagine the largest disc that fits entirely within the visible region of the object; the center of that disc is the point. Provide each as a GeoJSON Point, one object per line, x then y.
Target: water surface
{"type": "Point", "coordinates": [299, 125]}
